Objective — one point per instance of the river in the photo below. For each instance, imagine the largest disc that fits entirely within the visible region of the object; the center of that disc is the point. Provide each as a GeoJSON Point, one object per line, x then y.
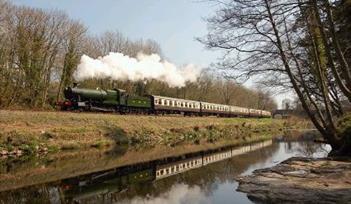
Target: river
{"type": "Point", "coordinates": [204, 177]}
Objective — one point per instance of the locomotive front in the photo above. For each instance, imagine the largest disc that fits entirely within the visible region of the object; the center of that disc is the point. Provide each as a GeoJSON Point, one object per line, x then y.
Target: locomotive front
{"type": "Point", "coordinates": [76, 98]}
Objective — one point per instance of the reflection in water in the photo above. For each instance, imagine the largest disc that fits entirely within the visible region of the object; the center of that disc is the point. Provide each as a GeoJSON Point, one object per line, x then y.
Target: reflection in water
{"type": "Point", "coordinates": [178, 193]}
{"type": "Point", "coordinates": [207, 178]}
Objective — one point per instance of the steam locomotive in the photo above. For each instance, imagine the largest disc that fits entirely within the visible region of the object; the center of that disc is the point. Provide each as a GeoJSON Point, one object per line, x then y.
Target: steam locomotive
{"type": "Point", "coordinates": [118, 100]}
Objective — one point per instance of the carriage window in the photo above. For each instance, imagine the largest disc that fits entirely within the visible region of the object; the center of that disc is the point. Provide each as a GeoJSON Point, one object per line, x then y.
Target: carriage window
{"type": "Point", "coordinates": [156, 102]}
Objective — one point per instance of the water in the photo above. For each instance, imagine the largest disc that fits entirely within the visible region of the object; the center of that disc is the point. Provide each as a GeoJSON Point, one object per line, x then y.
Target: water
{"type": "Point", "coordinates": [198, 178]}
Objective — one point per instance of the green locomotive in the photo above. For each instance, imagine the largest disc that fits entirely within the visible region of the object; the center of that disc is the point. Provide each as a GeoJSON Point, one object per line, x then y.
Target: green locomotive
{"type": "Point", "coordinates": [104, 100]}
{"type": "Point", "coordinates": [95, 185]}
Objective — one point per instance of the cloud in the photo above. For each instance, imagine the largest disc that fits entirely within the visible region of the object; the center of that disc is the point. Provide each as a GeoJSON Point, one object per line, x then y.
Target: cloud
{"type": "Point", "coordinates": [118, 66]}
{"type": "Point", "coordinates": [178, 194]}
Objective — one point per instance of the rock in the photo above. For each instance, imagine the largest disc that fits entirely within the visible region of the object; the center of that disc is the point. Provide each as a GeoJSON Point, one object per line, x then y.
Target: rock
{"type": "Point", "coordinates": [3, 156]}
{"type": "Point", "coordinates": [18, 152]}
{"type": "Point", "coordinates": [300, 180]}
{"type": "Point", "coordinates": [4, 152]}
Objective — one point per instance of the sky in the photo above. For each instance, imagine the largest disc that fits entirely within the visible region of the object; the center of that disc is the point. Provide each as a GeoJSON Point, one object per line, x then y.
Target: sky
{"type": "Point", "coordinates": [174, 24]}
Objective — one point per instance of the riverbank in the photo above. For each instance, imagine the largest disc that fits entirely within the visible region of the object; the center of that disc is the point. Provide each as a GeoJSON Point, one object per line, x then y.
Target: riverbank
{"type": "Point", "coordinates": [300, 180]}
{"type": "Point", "coordinates": [30, 132]}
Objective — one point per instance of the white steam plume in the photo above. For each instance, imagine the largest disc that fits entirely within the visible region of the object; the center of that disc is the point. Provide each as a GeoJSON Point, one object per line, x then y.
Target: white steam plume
{"type": "Point", "coordinates": [118, 66]}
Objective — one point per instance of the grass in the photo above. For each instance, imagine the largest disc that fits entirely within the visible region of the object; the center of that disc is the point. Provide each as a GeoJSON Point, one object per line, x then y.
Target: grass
{"type": "Point", "coordinates": [33, 131]}
{"type": "Point", "coordinates": [344, 125]}
{"type": "Point", "coordinates": [344, 129]}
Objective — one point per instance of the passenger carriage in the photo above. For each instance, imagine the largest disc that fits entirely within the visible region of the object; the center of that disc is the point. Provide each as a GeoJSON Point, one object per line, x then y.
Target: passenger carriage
{"type": "Point", "coordinates": [170, 105]}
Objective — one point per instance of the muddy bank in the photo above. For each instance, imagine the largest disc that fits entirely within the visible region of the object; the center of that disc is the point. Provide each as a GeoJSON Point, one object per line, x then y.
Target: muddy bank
{"type": "Point", "coordinates": [31, 133]}
{"type": "Point", "coordinates": [300, 180]}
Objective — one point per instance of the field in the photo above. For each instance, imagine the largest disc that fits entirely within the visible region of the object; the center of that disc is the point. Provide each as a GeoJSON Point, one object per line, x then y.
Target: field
{"type": "Point", "coordinates": [33, 132]}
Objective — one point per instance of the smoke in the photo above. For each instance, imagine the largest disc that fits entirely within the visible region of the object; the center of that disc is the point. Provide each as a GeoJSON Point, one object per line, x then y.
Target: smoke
{"type": "Point", "coordinates": [118, 66]}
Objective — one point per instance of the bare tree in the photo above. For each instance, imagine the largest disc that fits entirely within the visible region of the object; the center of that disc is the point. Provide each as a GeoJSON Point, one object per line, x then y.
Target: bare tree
{"type": "Point", "coordinates": [72, 47]}
{"type": "Point", "coordinates": [284, 41]}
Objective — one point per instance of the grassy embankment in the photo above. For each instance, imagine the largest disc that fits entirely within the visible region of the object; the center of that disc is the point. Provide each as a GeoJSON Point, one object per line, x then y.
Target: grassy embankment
{"type": "Point", "coordinates": [26, 132]}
